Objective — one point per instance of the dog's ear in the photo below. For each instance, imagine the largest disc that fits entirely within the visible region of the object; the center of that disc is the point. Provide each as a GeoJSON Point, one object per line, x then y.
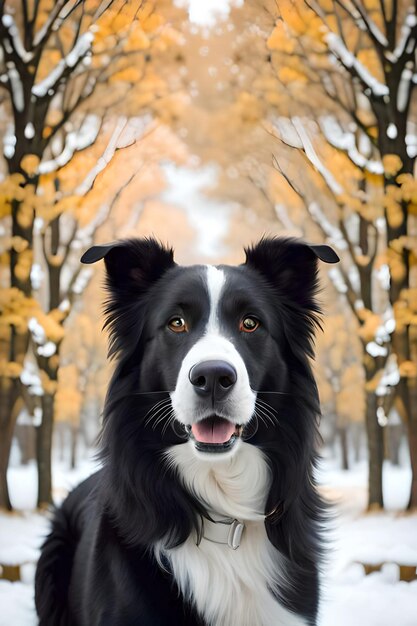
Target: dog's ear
{"type": "Point", "coordinates": [131, 264]}
{"type": "Point", "coordinates": [290, 265]}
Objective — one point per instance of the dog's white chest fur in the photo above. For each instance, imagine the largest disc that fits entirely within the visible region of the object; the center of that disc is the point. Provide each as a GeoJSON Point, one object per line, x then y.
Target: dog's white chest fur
{"type": "Point", "coordinates": [230, 587]}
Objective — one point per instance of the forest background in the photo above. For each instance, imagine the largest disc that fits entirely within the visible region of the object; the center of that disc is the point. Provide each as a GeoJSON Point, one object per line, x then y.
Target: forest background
{"type": "Point", "coordinates": [207, 124]}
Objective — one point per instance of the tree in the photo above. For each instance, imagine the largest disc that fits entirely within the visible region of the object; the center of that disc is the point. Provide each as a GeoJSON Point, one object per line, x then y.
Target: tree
{"type": "Point", "coordinates": [58, 59]}
{"type": "Point", "coordinates": [358, 61]}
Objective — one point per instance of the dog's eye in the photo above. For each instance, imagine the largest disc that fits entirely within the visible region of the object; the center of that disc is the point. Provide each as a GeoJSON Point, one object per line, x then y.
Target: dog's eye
{"type": "Point", "coordinates": [249, 324]}
{"type": "Point", "coordinates": [177, 325]}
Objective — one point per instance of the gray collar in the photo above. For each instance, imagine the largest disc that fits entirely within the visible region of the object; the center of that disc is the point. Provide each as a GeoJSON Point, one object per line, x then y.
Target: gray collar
{"type": "Point", "coordinates": [227, 532]}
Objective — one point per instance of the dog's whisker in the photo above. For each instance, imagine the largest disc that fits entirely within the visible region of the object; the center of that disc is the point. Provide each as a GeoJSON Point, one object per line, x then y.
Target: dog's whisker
{"type": "Point", "coordinates": [268, 409]}
{"type": "Point", "coordinates": [164, 415]}
{"type": "Point", "coordinates": [153, 415]}
{"type": "Point", "coordinates": [280, 393]}
{"type": "Point", "coordinates": [266, 415]}
{"type": "Point", "coordinates": [154, 406]}
{"type": "Point", "coordinates": [169, 421]}
{"type": "Point", "coordinates": [143, 393]}
{"type": "Point", "coordinates": [265, 421]}
{"type": "Point", "coordinates": [267, 405]}
{"type": "Point", "coordinates": [159, 415]}
{"type": "Point", "coordinates": [159, 406]}
{"type": "Point", "coordinates": [261, 418]}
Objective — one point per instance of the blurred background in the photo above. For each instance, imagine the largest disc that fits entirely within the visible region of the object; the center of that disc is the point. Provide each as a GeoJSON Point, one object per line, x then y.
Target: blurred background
{"type": "Point", "coordinates": [208, 124]}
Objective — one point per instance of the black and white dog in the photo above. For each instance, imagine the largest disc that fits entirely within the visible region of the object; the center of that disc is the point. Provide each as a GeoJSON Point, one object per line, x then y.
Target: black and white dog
{"type": "Point", "coordinates": [205, 511]}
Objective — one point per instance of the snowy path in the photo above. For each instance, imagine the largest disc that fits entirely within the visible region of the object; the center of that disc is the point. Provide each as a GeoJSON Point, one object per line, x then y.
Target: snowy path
{"type": "Point", "coordinates": [351, 598]}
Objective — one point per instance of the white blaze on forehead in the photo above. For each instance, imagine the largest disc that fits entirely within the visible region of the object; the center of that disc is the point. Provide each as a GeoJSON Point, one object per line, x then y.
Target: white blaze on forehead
{"type": "Point", "coordinates": [240, 403]}
{"type": "Point", "coordinates": [215, 283]}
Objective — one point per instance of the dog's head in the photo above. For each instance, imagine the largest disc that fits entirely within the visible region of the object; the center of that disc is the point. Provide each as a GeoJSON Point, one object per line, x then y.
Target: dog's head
{"type": "Point", "coordinates": [215, 338]}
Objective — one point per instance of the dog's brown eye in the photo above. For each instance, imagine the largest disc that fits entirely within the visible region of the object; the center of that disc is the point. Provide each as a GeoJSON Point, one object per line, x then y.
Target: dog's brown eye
{"type": "Point", "coordinates": [177, 325]}
{"type": "Point", "coordinates": [249, 324]}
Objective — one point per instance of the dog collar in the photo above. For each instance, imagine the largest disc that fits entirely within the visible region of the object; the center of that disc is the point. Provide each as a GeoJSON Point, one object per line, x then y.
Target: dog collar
{"type": "Point", "coordinates": [226, 532]}
{"type": "Point", "coordinates": [229, 531]}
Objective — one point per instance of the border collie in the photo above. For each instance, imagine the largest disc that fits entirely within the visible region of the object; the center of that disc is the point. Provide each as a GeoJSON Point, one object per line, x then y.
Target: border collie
{"type": "Point", "coordinates": [205, 511]}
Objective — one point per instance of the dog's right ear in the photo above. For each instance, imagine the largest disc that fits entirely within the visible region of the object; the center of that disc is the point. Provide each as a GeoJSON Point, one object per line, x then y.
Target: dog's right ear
{"type": "Point", "coordinates": [132, 265]}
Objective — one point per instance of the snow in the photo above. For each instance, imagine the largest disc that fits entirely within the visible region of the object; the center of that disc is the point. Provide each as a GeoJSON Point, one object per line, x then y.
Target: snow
{"type": "Point", "coordinates": [29, 131]}
{"type": "Point", "coordinates": [126, 132]}
{"type": "Point", "coordinates": [36, 276]}
{"type": "Point", "coordinates": [404, 88]}
{"type": "Point", "coordinates": [379, 36]}
{"type": "Point", "coordinates": [38, 333]}
{"type": "Point", "coordinates": [334, 235]}
{"type": "Point", "coordinates": [287, 132]}
{"type": "Point", "coordinates": [82, 280]}
{"type": "Point", "coordinates": [82, 46]}
{"type": "Point", "coordinates": [7, 21]}
{"type": "Point", "coordinates": [9, 142]}
{"type": "Point", "coordinates": [379, 599]}
{"type": "Point", "coordinates": [17, 87]}
{"type": "Point", "coordinates": [374, 349]}
{"type": "Point", "coordinates": [75, 140]}
{"type": "Point", "coordinates": [47, 350]}
{"type": "Point", "coordinates": [348, 60]}
{"type": "Point", "coordinates": [346, 141]}
{"type": "Point", "coordinates": [356, 538]}
{"type": "Point", "coordinates": [10, 25]}
{"type": "Point", "coordinates": [207, 13]}
{"type": "Point", "coordinates": [209, 217]}
{"type": "Point", "coordinates": [409, 23]}
{"type": "Point", "coordinates": [411, 142]}
{"type": "Point", "coordinates": [392, 131]}
{"type": "Point", "coordinates": [390, 376]}
{"type": "Point", "coordinates": [80, 49]}
{"type": "Point", "coordinates": [313, 157]}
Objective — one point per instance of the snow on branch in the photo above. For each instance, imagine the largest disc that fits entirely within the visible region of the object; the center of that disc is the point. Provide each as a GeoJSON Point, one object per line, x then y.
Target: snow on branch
{"type": "Point", "coordinates": [75, 141]}
{"type": "Point", "coordinates": [353, 65]}
{"type": "Point", "coordinates": [362, 17]}
{"type": "Point", "coordinates": [104, 160]}
{"type": "Point", "coordinates": [403, 94]}
{"type": "Point", "coordinates": [43, 33]}
{"type": "Point", "coordinates": [346, 142]}
{"type": "Point", "coordinates": [313, 157]}
{"type": "Point", "coordinates": [333, 234]}
{"type": "Point", "coordinates": [13, 32]}
{"type": "Point", "coordinates": [80, 49]}
{"type": "Point", "coordinates": [407, 40]}
{"type": "Point", "coordinates": [18, 97]}
{"type": "Point", "coordinates": [125, 134]}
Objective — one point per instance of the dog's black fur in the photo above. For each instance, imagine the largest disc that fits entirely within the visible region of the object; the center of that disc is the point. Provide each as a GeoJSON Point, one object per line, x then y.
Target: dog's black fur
{"type": "Point", "coordinates": [97, 566]}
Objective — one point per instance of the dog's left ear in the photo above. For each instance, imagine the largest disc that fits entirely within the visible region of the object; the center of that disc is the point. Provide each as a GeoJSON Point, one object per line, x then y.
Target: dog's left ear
{"type": "Point", "coordinates": [290, 265]}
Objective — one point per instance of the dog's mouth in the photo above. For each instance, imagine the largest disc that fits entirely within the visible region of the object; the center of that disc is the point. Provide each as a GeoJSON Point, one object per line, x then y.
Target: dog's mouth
{"type": "Point", "coordinates": [214, 434]}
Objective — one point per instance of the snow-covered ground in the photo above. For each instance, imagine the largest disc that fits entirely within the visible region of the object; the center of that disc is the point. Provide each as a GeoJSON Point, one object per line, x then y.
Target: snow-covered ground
{"type": "Point", "coordinates": [351, 598]}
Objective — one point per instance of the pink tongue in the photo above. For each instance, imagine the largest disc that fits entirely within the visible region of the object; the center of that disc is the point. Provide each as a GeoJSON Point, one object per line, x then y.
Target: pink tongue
{"type": "Point", "coordinates": [213, 430]}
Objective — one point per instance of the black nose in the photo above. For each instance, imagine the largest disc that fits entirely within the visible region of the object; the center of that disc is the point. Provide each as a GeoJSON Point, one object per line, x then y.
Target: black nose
{"type": "Point", "coordinates": [213, 378]}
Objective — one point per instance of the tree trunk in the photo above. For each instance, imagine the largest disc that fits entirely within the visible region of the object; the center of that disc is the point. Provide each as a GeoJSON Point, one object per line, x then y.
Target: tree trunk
{"type": "Point", "coordinates": [74, 438]}
{"type": "Point", "coordinates": [5, 445]}
{"type": "Point", "coordinates": [394, 442]}
{"type": "Point", "coordinates": [9, 409]}
{"type": "Point", "coordinates": [408, 394]}
{"type": "Point", "coordinates": [376, 453]}
{"type": "Point", "coordinates": [412, 440]}
{"type": "Point", "coordinates": [44, 450]}
{"type": "Point", "coordinates": [344, 447]}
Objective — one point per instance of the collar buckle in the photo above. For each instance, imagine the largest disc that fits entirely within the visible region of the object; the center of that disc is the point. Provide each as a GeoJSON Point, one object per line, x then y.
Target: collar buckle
{"type": "Point", "coordinates": [225, 532]}
{"type": "Point", "coordinates": [235, 534]}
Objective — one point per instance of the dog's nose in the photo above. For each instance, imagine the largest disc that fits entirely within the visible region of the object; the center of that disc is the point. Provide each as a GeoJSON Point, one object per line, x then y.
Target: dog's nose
{"type": "Point", "coordinates": [213, 378]}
